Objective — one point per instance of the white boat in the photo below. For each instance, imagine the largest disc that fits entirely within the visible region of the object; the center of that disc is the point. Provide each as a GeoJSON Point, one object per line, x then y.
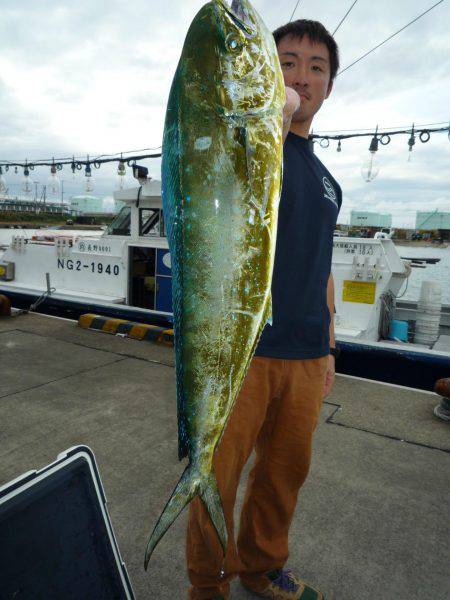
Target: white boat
{"type": "Point", "coordinates": [44, 234]}
{"type": "Point", "coordinates": [126, 272]}
{"type": "Point", "coordinates": [128, 265]}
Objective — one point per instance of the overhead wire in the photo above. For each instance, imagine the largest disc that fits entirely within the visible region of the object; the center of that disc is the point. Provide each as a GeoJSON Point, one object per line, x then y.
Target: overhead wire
{"type": "Point", "coordinates": [293, 12]}
{"type": "Point", "coordinates": [83, 157]}
{"type": "Point", "coordinates": [384, 134]}
{"type": "Point", "coordinates": [126, 152]}
{"type": "Point", "coordinates": [110, 157]}
{"type": "Point", "coordinates": [380, 129]}
{"type": "Point", "coordinates": [381, 135]}
{"type": "Point", "coordinates": [345, 16]}
{"type": "Point", "coordinates": [390, 37]}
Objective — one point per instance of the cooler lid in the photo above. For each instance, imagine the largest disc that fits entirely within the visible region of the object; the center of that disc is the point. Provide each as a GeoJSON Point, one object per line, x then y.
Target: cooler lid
{"type": "Point", "coordinates": [56, 538]}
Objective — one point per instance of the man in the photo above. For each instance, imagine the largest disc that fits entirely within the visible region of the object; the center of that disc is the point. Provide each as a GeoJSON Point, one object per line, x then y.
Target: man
{"type": "Point", "coordinates": [277, 410]}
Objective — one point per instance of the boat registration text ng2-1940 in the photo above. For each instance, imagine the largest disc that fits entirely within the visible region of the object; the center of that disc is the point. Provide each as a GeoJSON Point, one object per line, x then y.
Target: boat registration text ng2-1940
{"type": "Point", "coordinates": [90, 267]}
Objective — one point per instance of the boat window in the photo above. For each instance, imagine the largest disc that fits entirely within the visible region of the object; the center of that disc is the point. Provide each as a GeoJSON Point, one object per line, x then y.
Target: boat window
{"type": "Point", "coordinates": [149, 222]}
{"type": "Point", "coordinates": [121, 224]}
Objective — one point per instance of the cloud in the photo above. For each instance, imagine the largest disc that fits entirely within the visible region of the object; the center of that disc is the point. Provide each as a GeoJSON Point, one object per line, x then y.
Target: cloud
{"type": "Point", "coordinates": [93, 78]}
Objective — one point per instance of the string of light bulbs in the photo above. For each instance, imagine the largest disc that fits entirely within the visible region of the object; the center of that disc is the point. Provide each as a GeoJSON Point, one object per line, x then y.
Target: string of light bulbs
{"type": "Point", "coordinates": [370, 167]}
{"type": "Point", "coordinates": [369, 172]}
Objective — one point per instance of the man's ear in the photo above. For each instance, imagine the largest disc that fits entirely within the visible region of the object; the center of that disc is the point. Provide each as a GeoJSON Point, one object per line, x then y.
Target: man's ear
{"type": "Point", "coordinates": [330, 87]}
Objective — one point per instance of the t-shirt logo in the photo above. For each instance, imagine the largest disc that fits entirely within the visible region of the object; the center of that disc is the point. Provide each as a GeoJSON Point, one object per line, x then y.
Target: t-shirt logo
{"type": "Point", "coordinates": [330, 194]}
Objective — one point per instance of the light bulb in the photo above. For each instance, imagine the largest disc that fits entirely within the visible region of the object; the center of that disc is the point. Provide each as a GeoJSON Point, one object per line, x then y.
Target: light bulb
{"type": "Point", "coordinates": [89, 185]}
{"type": "Point", "coordinates": [370, 167]}
{"type": "Point", "coordinates": [411, 142]}
{"type": "Point", "coordinates": [120, 182]}
{"type": "Point", "coordinates": [53, 183]}
{"type": "Point", "coordinates": [121, 175]}
{"type": "Point", "coordinates": [27, 184]}
{"type": "Point", "coordinates": [73, 167]}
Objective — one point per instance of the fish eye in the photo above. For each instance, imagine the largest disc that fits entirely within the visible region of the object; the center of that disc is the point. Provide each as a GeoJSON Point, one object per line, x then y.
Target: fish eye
{"type": "Point", "coordinates": [233, 43]}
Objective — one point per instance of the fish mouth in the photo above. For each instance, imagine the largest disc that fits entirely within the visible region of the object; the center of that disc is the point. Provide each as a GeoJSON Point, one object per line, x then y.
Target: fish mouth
{"type": "Point", "coordinates": [240, 13]}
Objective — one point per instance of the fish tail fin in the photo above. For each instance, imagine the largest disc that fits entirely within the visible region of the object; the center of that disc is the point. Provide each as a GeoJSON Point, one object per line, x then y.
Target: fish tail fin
{"type": "Point", "coordinates": [187, 488]}
{"type": "Point", "coordinates": [209, 493]}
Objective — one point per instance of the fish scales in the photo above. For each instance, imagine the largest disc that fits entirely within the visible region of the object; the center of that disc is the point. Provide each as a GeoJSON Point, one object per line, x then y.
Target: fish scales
{"type": "Point", "coordinates": [221, 172]}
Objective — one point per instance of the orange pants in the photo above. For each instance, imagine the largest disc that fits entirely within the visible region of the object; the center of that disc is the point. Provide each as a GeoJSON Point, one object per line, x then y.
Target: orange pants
{"type": "Point", "coordinates": [276, 414]}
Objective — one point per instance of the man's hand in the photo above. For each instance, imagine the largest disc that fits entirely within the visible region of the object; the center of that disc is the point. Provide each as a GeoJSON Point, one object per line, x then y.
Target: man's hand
{"type": "Point", "coordinates": [292, 105]}
{"type": "Point", "coordinates": [329, 377]}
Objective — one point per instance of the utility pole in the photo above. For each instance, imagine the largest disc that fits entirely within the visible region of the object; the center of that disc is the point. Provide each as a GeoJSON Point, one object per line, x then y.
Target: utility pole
{"type": "Point", "coordinates": [36, 183]}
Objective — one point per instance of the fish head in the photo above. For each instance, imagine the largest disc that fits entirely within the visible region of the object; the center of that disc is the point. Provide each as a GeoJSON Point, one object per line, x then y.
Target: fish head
{"type": "Point", "coordinates": [249, 73]}
{"type": "Point", "coordinates": [233, 59]}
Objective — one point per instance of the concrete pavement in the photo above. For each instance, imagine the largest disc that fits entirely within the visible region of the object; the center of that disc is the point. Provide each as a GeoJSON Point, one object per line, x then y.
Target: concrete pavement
{"type": "Point", "coordinates": [372, 519]}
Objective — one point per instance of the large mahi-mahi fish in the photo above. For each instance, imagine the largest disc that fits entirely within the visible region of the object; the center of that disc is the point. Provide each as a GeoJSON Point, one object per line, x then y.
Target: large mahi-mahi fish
{"type": "Point", "coordinates": [221, 173]}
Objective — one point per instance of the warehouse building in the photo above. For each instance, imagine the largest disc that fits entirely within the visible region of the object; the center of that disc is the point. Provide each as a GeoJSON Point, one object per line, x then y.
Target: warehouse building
{"type": "Point", "coordinates": [86, 204]}
{"type": "Point", "coordinates": [432, 220]}
{"type": "Point", "coordinates": [359, 218]}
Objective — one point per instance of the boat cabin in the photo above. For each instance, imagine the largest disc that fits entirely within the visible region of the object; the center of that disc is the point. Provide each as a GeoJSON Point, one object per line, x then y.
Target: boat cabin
{"type": "Point", "coordinates": [140, 224]}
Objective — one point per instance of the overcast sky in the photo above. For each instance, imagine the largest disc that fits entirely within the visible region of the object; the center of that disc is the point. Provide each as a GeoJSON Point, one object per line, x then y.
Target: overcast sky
{"type": "Point", "coordinates": [92, 77]}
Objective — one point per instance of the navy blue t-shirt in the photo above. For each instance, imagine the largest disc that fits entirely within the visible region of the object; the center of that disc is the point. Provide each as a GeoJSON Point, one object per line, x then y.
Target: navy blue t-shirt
{"type": "Point", "coordinates": [309, 206]}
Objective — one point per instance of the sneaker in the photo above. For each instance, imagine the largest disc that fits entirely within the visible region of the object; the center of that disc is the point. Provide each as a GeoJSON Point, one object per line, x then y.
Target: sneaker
{"type": "Point", "coordinates": [284, 585]}
{"type": "Point", "coordinates": [442, 411]}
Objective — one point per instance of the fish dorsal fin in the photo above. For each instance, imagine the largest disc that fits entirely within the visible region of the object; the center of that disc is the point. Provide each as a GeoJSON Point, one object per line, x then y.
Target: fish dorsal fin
{"type": "Point", "coordinates": [171, 193]}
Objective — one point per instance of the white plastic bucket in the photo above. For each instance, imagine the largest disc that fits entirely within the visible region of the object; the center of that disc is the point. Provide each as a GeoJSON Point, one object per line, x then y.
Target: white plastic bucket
{"type": "Point", "coordinates": [428, 313]}
{"type": "Point", "coordinates": [431, 292]}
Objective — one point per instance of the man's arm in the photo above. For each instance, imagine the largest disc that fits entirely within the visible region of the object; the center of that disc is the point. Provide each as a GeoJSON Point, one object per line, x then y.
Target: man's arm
{"type": "Point", "coordinates": [330, 302]}
{"type": "Point", "coordinates": [329, 378]}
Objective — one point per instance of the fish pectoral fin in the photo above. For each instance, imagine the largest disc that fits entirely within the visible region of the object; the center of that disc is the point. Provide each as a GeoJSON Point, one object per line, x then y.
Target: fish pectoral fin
{"type": "Point", "coordinates": [209, 493]}
{"type": "Point", "coordinates": [186, 489]}
{"type": "Point", "coordinates": [268, 314]}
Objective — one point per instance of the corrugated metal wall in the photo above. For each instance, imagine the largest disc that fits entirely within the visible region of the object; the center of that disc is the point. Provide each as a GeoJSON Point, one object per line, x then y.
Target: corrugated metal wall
{"type": "Point", "coordinates": [433, 219]}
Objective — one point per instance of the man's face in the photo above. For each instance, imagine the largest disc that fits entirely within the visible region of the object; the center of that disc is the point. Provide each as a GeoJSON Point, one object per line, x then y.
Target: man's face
{"type": "Point", "coordinates": [306, 69]}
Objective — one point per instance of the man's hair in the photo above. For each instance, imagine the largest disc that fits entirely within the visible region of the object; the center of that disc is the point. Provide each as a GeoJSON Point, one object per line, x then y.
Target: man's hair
{"type": "Point", "coordinates": [317, 33]}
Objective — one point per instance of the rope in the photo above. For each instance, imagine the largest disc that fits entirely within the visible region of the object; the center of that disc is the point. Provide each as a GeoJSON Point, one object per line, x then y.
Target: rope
{"type": "Point", "coordinates": [386, 314]}
{"type": "Point", "coordinates": [41, 299]}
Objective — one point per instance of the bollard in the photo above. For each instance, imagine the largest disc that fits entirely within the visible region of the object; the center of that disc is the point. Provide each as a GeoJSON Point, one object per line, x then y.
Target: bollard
{"type": "Point", "coordinates": [5, 306]}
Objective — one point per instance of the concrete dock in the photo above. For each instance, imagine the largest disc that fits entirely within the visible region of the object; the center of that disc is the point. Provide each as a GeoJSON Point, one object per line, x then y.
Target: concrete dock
{"type": "Point", "coordinates": [372, 520]}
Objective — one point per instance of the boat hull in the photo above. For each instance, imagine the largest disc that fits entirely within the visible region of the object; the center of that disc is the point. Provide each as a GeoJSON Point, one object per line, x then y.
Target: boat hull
{"type": "Point", "coordinates": [70, 309]}
{"type": "Point", "coordinates": [399, 366]}
{"type": "Point", "coordinates": [405, 367]}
